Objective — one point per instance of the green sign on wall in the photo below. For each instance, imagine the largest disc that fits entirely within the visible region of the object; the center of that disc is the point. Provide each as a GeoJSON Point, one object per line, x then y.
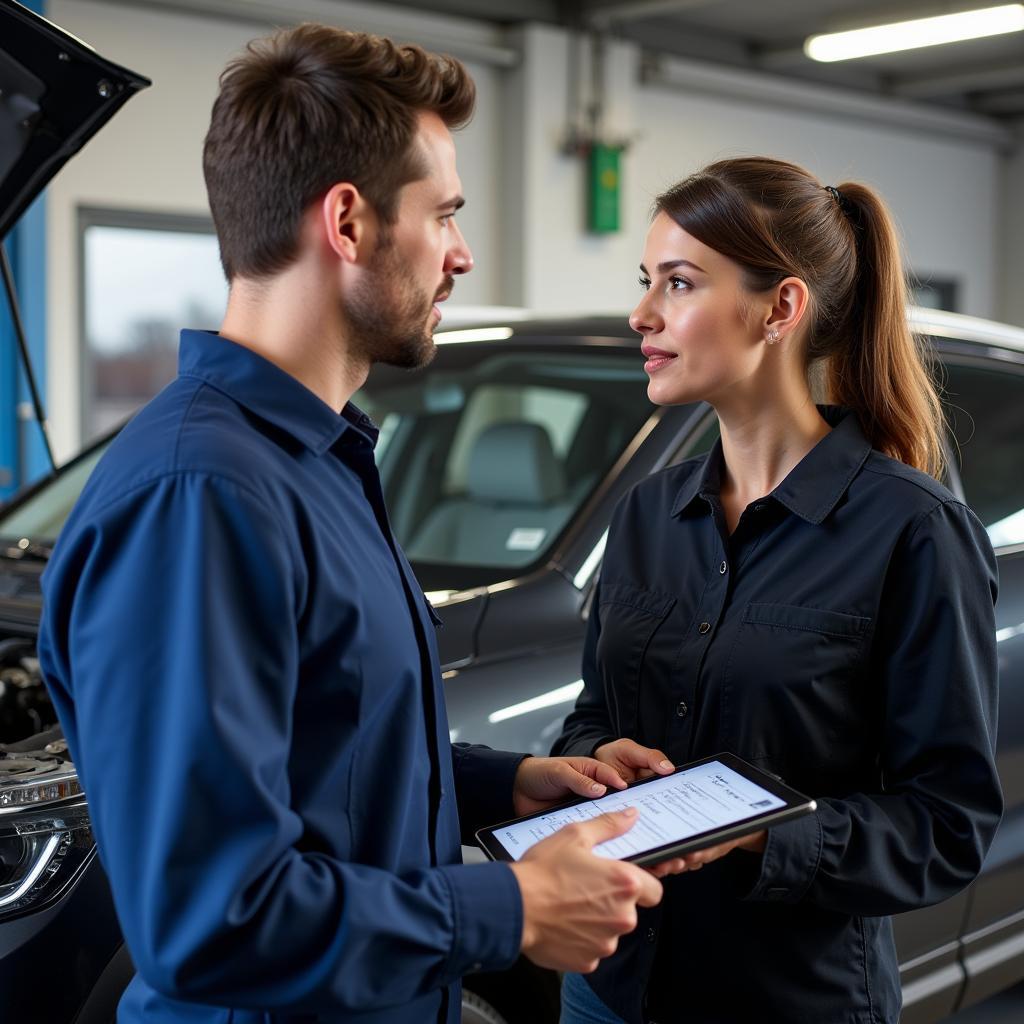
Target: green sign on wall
{"type": "Point", "coordinates": [605, 178]}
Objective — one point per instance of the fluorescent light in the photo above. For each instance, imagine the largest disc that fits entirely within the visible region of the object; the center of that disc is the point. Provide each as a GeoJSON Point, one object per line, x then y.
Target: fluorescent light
{"type": "Point", "coordinates": [562, 695]}
{"type": "Point", "coordinates": [473, 334]}
{"type": "Point", "coordinates": [911, 35]}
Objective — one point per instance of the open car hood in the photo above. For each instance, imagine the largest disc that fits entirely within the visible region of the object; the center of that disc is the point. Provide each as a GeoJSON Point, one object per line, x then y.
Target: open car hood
{"type": "Point", "coordinates": [55, 94]}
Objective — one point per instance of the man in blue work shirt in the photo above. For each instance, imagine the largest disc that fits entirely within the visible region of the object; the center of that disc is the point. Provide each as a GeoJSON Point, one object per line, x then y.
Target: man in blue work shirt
{"type": "Point", "coordinates": [239, 653]}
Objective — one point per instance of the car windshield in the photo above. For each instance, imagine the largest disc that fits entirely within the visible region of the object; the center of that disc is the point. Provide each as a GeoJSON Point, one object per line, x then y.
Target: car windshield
{"type": "Point", "coordinates": [38, 519]}
{"type": "Point", "coordinates": [484, 456]}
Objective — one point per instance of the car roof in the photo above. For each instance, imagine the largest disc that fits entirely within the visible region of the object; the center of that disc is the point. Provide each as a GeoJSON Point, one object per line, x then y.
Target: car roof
{"type": "Point", "coordinates": [515, 325]}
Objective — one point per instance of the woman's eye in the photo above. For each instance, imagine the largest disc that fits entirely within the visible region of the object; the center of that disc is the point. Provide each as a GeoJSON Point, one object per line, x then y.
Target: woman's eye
{"type": "Point", "coordinates": [644, 283]}
{"type": "Point", "coordinates": [445, 218]}
{"type": "Point", "coordinates": [678, 283]}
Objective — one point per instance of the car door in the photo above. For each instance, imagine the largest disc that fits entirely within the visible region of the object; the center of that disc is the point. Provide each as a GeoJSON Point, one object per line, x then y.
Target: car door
{"type": "Point", "coordinates": [985, 408]}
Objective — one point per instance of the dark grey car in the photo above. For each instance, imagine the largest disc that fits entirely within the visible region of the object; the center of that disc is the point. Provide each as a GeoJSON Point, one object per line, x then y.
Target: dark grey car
{"type": "Point", "coordinates": [501, 463]}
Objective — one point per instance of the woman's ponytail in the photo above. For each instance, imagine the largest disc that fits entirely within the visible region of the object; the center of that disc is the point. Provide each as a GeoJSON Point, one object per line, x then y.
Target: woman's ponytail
{"type": "Point", "coordinates": [878, 367]}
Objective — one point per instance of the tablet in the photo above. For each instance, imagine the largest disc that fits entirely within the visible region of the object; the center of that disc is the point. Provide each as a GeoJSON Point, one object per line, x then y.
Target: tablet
{"type": "Point", "coordinates": [700, 804]}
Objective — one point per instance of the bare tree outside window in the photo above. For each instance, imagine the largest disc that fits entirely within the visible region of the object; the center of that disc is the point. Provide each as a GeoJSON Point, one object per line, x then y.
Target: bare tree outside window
{"type": "Point", "coordinates": [144, 277]}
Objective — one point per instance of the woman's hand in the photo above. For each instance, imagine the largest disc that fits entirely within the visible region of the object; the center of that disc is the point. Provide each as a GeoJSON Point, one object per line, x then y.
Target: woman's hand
{"type": "Point", "coordinates": [632, 761]}
{"type": "Point", "coordinates": [754, 843]}
{"type": "Point", "coordinates": [543, 781]}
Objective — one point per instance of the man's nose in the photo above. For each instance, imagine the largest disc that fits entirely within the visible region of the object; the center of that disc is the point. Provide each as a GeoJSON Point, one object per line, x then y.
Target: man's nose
{"type": "Point", "coordinates": [458, 259]}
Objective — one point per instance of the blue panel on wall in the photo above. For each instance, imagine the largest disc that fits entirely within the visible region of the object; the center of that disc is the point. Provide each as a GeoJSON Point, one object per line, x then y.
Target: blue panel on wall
{"type": "Point", "coordinates": [22, 455]}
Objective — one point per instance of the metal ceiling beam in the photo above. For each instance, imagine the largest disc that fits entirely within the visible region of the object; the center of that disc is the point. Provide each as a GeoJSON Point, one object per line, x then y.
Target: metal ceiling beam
{"type": "Point", "coordinates": [360, 17]}
{"type": "Point", "coordinates": [487, 10]}
{"type": "Point", "coordinates": [602, 13]}
{"type": "Point", "coordinates": [1010, 102]}
{"type": "Point", "coordinates": [758, 87]}
{"type": "Point", "coordinates": [948, 84]}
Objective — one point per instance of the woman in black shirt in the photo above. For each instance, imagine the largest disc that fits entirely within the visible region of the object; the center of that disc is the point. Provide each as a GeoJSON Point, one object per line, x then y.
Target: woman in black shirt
{"type": "Point", "coordinates": [808, 596]}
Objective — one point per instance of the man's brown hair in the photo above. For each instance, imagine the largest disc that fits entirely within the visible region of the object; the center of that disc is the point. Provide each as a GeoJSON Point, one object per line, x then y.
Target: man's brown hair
{"type": "Point", "coordinates": [306, 108]}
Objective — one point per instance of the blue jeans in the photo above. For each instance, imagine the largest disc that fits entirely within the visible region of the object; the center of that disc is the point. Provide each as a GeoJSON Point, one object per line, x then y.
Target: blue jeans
{"type": "Point", "coordinates": [581, 1006]}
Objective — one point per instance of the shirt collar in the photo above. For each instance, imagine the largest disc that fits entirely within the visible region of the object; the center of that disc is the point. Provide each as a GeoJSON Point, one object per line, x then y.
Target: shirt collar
{"type": "Point", "coordinates": [269, 392]}
{"type": "Point", "coordinates": [814, 486]}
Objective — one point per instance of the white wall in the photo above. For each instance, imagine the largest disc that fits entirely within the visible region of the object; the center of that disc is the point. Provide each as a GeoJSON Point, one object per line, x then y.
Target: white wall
{"type": "Point", "coordinates": [945, 193]}
{"type": "Point", "coordinates": [149, 158]}
{"type": "Point", "coordinates": [525, 216]}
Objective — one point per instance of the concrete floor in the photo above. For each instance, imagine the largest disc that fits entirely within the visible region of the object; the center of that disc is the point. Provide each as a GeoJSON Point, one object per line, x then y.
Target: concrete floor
{"type": "Point", "coordinates": [1005, 1008]}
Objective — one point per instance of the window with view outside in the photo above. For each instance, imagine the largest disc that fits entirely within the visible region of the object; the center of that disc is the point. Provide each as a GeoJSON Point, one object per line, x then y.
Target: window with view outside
{"type": "Point", "coordinates": [145, 277]}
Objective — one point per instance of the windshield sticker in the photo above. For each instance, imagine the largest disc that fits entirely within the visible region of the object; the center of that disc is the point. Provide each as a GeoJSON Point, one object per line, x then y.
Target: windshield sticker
{"type": "Point", "coordinates": [525, 539]}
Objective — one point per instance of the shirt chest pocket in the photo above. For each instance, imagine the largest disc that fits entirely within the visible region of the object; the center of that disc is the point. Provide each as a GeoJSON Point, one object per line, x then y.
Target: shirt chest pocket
{"type": "Point", "coordinates": [793, 693]}
{"type": "Point", "coordinates": [630, 617]}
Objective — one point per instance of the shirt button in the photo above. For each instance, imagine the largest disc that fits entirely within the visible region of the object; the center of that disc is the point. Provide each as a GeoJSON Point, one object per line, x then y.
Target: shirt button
{"type": "Point", "coordinates": [704, 627]}
{"type": "Point", "coordinates": [682, 709]}
{"type": "Point", "coordinates": [651, 934]}
{"type": "Point", "coordinates": [723, 568]}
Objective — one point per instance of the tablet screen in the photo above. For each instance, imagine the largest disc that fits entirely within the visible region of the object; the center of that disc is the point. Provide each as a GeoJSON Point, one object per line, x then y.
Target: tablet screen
{"type": "Point", "coordinates": [674, 808]}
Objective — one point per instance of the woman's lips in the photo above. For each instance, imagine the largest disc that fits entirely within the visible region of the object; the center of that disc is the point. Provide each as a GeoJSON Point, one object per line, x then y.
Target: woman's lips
{"type": "Point", "coordinates": [656, 358]}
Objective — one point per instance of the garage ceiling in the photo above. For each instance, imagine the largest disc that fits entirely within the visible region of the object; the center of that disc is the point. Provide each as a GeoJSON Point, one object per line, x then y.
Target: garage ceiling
{"type": "Point", "coordinates": [983, 75]}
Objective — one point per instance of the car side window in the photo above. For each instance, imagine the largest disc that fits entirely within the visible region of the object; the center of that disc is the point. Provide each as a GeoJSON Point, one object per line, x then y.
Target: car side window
{"type": "Point", "coordinates": [701, 441]}
{"type": "Point", "coordinates": [985, 413]}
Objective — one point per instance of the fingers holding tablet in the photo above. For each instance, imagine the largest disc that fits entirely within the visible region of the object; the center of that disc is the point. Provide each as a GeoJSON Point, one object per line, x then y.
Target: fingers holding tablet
{"type": "Point", "coordinates": [576, 905]}
{"type": "Point", "coordinates": [633, 761]}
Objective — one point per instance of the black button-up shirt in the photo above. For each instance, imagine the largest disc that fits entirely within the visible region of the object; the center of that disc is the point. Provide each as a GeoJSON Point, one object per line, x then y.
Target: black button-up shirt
{"type": "Point", "coordinates": [842, 637]}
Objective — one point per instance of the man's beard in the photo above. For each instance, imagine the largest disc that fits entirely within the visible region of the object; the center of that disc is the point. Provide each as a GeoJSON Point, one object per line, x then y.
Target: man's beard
{"type": "Point", "coordinates": [389, 320]}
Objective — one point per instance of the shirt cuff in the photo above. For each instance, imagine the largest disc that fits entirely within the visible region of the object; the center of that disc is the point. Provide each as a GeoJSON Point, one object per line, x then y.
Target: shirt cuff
{"type": "Point", "coordinates": [487, 917]}
{"type": "Point", "coordinates": [789, 862]}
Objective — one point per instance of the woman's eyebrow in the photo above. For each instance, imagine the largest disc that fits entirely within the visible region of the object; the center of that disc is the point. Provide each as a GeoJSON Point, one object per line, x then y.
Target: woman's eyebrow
{"type": "Point", "coordinates": [664, 268]}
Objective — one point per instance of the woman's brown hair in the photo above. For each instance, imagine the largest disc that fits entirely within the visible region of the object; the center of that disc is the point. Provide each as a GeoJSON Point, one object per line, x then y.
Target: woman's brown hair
{"type": "Point", "coordinates": [776, 221]}
{"type": "Point", "coordinates": [306, 108]}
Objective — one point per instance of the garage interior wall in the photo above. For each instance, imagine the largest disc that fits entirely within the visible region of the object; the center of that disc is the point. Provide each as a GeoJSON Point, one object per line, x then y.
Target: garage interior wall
{"type": "Point", "coordinates": [525, 215]}
{"type": "Point", "coordinates": [149, 158]}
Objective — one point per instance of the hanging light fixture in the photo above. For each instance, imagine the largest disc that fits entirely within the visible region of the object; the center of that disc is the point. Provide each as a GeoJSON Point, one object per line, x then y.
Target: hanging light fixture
{"type": "Point", "coordinates": [912, 35]}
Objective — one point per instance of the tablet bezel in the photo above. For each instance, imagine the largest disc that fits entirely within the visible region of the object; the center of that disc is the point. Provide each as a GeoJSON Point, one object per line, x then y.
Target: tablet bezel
{"type": "Point", "coordinates": [796, 805]}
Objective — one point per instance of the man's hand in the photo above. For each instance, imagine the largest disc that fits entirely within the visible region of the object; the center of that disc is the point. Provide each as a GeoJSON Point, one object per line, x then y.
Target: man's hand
{"type": "Point", "coordinates": [543, 781]}
{"type": "Point", "coordinates": [632, 762]}
{"type": "Point", "coordinates": [576, 904]}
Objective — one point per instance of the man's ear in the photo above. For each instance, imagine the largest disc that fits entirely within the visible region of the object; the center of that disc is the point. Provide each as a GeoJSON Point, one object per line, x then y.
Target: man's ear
{"type": "Point", "coordinates": [346, 219]}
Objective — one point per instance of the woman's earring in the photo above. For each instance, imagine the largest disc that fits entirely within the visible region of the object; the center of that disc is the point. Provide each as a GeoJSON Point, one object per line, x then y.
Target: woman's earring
{"type": "Point", "coordinates": [773, 336]}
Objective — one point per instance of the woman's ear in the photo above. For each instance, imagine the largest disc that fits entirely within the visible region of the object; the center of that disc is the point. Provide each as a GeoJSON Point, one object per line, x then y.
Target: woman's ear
{"type": "Point", "coordinates": [788, 308]}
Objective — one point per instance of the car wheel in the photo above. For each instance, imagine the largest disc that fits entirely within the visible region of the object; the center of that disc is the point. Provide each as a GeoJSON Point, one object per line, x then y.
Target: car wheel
{"type": "Point", "coordinates": [476, 1010]}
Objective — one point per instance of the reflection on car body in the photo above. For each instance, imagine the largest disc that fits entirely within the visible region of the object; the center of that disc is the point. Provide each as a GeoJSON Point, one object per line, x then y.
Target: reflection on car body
{"type": "Point", "coordinates": [501, 464]}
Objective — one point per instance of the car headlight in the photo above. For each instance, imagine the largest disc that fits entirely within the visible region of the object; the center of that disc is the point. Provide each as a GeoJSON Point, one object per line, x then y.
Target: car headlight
{"type": "Point", "coordinates": [45, 837]}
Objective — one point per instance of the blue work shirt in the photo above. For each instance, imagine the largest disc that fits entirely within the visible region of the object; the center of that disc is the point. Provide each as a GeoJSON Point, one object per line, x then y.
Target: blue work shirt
{"type": "Point", "coordinates": [247, 675]}
{"type": "Point", "coordinates": [842, 636]}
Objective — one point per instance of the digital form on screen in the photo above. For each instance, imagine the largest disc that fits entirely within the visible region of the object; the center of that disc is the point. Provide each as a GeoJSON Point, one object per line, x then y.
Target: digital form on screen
{"type": "Point", "coordinates": [677, 807]}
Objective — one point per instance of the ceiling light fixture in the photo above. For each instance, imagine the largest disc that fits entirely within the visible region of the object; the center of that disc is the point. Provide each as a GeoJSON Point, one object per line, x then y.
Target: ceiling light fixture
{"type": "Point", "coordinates": [912, 35]}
